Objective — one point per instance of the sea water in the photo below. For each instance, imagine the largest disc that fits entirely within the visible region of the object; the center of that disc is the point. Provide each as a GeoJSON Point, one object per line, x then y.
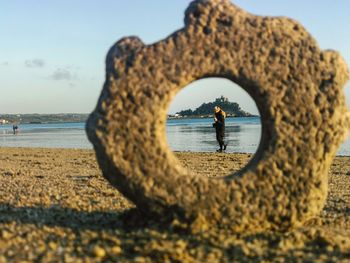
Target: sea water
{"type": "Point", "coordinates": [194, 135]}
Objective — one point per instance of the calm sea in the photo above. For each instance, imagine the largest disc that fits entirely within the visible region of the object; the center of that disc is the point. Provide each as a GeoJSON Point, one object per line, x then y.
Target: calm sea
{"type": "Point", "coordinates": [196, 135]}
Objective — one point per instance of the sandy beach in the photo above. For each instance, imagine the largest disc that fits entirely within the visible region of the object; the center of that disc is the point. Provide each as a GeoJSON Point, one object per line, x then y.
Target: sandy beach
{"type": "Point", "coordinates": [55, 206]}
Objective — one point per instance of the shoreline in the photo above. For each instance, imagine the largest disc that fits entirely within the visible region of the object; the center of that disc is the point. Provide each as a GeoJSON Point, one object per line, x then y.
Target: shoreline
{"type": "Point", "coordinates": [210, 117]}
{"type": "Point", "coordinates": [56, 206]}
{"type": "Point", "coordinates": [176, 152]}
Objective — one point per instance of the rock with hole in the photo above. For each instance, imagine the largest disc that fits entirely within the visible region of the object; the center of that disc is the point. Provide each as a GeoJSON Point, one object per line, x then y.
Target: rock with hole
{"type": "Point", "coordinates": [296, 86]}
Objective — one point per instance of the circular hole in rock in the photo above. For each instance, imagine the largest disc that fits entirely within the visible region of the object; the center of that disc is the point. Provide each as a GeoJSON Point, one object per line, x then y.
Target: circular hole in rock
{"type": "Point", "coordinates": [190, 131]}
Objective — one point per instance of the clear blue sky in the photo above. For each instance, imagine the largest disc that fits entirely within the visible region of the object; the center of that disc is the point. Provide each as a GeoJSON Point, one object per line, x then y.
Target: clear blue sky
{"type": "Point", "coordinates": [52, 52]}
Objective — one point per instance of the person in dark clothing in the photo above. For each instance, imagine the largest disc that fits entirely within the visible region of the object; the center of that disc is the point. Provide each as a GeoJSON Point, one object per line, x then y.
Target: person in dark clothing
{"type": "Point", "coordinates": [15, 129]}
{"type": "Point", "coordinates": [219, 124]}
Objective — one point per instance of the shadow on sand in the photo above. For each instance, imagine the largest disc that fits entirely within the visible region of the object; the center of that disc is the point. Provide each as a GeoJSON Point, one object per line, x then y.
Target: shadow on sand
{"type": "Point", "coordinates": [130, 219]}
{"type": "Point", "coordinates": [158, 239]}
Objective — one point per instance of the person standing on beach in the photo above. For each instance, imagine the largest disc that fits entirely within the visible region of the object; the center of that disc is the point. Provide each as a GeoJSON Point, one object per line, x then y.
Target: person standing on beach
{"type": "Point", "coordinates": [15, 129]}
{"type": "Point", "coordinates": [219, 125]}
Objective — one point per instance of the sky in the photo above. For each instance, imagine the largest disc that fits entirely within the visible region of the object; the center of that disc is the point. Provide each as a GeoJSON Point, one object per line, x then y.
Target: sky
{"type": "Point", "coordinates": [52, 53]}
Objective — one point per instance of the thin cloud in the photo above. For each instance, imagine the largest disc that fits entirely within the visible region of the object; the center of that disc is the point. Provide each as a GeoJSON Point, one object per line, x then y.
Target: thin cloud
{"type": "Point", "coordinates": [35, 63]}
{"type": "Point", "coordinates": [72, 67]}
{"type": "Point", "coordinates": [63, 74]}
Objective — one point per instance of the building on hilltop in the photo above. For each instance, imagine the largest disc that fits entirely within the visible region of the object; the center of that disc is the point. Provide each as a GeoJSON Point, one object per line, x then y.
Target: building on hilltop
{"type": "Point", "coordinates": [232, 109]}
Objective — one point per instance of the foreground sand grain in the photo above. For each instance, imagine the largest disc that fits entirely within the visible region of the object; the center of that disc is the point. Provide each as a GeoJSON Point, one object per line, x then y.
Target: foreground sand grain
{"type": "Point", "coordinates": [56, 206]}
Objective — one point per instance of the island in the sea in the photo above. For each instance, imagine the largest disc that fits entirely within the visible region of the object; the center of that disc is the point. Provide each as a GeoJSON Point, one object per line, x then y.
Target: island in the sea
{"type": "Point", "coordinates": [205, 110]}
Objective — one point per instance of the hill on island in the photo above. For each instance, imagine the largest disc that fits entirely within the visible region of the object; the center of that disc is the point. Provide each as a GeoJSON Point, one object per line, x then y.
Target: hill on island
{"type": "Point", "coordinates": [206, 109]}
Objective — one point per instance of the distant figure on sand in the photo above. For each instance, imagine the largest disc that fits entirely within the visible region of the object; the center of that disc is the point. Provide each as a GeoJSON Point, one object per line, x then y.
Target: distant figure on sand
{"type": "Point", "coordinates": [15, 129]}
{"type": "Point", "coordinates": [219, 125]}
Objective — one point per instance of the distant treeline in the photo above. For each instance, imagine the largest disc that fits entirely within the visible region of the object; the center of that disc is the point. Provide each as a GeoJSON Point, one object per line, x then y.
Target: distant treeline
{"type": "Point", "coordinates": [231, 109]}
{"type": "Point", "coordinates": [44, 118]}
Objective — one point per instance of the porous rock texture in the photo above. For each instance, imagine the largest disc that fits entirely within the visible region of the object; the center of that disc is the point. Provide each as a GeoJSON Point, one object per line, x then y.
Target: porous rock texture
{"type": "Point", "coordinates": [296, 86]}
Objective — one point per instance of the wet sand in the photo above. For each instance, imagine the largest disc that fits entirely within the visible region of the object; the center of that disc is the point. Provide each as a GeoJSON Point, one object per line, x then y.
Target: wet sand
{"type": "Point", "coordinates": [56, 206]}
